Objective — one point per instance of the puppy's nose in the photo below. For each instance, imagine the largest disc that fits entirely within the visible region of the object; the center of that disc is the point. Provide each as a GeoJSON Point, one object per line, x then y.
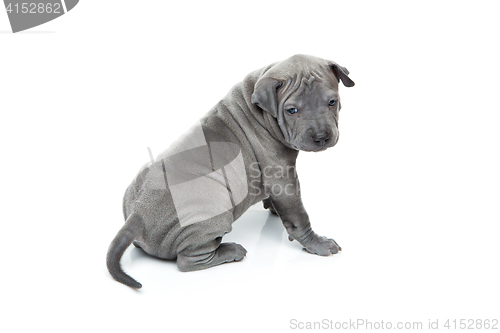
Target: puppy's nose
{"type": "Point", "coordinates": [321, 138]}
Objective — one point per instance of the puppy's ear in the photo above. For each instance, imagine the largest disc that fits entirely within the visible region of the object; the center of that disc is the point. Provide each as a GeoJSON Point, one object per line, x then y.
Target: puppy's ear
{"type": "Point", "coordinates": [264, 95]}
{"type": "Point", "coordinates": [341, 74]}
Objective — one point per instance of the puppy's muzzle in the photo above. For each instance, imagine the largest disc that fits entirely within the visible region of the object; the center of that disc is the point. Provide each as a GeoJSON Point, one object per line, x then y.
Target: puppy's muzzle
{"type": "Point", "coordinates": [325, 139]}
{"type": "Point", "coordinates": [321, 138]}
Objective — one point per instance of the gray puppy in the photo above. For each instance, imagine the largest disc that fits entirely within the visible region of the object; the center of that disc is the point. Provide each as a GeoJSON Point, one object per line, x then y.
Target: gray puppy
{"type": "Point", "coordinates": [243, 151]}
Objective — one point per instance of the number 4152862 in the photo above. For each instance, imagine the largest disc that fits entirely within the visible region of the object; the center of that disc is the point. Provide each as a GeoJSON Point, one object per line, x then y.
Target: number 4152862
{"type": "Point", "coordinates": [34, 8]}
{"type": "Point", "coordinates": [471, 324]}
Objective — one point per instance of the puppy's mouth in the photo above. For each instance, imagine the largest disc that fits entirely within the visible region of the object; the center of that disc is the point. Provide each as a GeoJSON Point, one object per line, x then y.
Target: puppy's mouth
{"type": "Point", "coordinates": [317, 147]}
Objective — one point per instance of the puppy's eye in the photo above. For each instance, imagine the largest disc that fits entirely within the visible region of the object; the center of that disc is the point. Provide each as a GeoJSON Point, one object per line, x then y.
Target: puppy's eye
{"type": "Point", "coordinates": [332, 102]}
{"type": "Point", "coordinates": [291, 110]}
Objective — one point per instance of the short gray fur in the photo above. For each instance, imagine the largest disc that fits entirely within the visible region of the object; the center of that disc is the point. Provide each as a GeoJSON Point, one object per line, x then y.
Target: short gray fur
{"type": "Point", "coordinates": [253, 116]}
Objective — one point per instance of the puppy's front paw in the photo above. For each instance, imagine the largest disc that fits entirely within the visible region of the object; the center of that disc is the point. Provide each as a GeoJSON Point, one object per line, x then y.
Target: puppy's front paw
{"type": "Point", "coordinates": [322, 246]}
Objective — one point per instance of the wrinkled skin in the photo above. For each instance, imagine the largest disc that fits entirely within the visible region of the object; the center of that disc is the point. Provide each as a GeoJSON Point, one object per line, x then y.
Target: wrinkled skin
{"type": "Point", "coordinates": [314, 126]}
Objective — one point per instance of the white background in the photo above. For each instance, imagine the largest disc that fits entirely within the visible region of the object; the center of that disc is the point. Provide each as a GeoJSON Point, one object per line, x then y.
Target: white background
{"type": "Point", "coordinates": [411, 192]}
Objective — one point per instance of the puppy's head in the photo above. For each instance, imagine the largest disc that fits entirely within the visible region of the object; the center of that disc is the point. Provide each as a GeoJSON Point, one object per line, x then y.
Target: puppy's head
{"type": "Point", "coordinates": [302, 94]}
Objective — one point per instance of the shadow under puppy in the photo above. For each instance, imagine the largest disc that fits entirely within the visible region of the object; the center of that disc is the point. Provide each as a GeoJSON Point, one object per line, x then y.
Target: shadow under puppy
{"type": "Point", "coordinates": [243, 151]}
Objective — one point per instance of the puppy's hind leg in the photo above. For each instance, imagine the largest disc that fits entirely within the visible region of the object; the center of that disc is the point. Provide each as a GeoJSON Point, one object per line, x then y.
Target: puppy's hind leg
{"type": "Point", "coordinates": [197, 258]}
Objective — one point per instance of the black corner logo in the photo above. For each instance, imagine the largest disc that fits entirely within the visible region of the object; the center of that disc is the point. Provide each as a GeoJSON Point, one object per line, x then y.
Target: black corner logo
{"type": "Point", "coordinates": [26, 14]}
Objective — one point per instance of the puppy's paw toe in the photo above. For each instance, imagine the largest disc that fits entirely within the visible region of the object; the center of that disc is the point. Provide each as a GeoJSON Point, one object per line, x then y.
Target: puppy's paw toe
{"type": "Point", "coordinates": [232, 252]}
{"type": "Point", "coordinates": [323, 246]}
{"type": "Point", "coordinates": [240, 252]}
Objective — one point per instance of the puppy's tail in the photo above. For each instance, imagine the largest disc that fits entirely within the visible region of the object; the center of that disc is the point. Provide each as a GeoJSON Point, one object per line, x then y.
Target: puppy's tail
{"type": "Point", "coordinates": [133, 227]}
